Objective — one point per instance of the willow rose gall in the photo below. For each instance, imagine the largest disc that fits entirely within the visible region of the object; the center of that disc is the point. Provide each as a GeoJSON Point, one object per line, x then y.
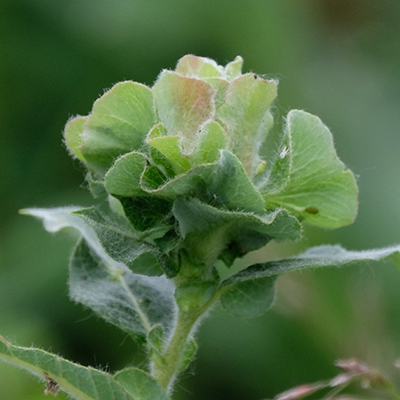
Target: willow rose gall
{"type": "Point", "coordinates": [192, 147]}
{"type": "Point", "coordinates": [187, 180]}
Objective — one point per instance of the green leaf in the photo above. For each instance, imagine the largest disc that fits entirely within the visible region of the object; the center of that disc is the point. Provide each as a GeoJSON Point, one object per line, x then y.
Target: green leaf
{"type": "Point", "coordinates": [162, 162]}
{"type": "Point", "coordinates": [118, 124]}
{"type": "Point", "coordinates": [79, 382]}
{"type": "Point", "coordinates": [234, 69]}
{"type": "Point", "coordinates": [275, 173]}
{"type": "Point", "coordinates": [250, 291]}
{"type": "Point", "coordinates": [111, 237]}
{"type": "Point", "coordinates": [140, 385]}
{"type": "Point", "coordinates": [155, 338]}
{"type": "Point", "coordinates": [169, 146]}
{"type": "Point", "coordinates": [72, 135]}
{"type": "Point", "coordinates": [315, 257]}
{"type": "Point", "coordinates": [120, 241]}
{"type": "Point", "coordinates": [221, 86]}
{"type": "Point", "coordinates": [183, 105]}
{"type": "Point", "coordinates": [198, 67]}
{"type": "Point", "coordinates": [212, 139]}
{"type": "Point", "coordinates": [246, 118]}
{"type": "Point", "coordinates": [134, 303]}
{"type": "Point", "coordinates": [231, 186]}
{"type": "Point", "coordinates": [249, 298]}
{"type": "Point", "coordinates": [123, 178]}
{"type": "Point", "coordinates": [224, 184]}
{"type": "Point", "coordinates": [319, 189]}
{"type": "Point", "coordinates": [147, 213]}
{"type": "Point", "coordinates": [210, 233]}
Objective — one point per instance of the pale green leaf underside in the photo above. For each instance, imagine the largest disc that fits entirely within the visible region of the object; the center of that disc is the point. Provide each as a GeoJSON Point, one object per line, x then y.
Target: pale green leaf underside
{"type": "Point", "coordinates": [250, 292]}
{"type": "Point", "coordinates": [202, 68]}
{"type": "Point", "coordinates": [192, 66]}
{"type": "Point", "coordinates": [140, 385]}
{"type": "Point", "coordinates": [207, 70]}
{"type": "Point", "coordinates": [315, 257]}
{"type": "Point", "coordinates": [121, 242]}
{"type": "Point", "coordinates": [58, 218]}
{"type": "Point", "coordinates": [319, 188]}
{"type": "Point", "coordinates": [134, 303]}
{"type": "Point", "coordinates": [79, 382]}
{"type": "Point", "coordinates": [107, 286]}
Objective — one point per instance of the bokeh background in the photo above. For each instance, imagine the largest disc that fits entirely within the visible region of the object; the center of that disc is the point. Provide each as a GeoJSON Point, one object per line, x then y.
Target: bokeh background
{"type": "Point", "coordinates": [337, 59]}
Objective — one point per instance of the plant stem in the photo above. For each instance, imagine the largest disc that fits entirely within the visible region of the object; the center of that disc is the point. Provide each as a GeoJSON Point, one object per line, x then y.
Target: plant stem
{"type": "Point", "coordinates": [166, 374]}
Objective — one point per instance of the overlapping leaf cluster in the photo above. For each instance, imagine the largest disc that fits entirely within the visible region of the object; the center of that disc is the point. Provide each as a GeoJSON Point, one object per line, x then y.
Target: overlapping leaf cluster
{"type": "Point", "coordinates": [183, 162]}
{"type": "Point", "coordinates": [184, 179]}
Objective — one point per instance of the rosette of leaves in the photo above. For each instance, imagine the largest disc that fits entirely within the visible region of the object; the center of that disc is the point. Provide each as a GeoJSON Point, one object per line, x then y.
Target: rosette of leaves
{"type": "Point", "coordinates": [185, 179]}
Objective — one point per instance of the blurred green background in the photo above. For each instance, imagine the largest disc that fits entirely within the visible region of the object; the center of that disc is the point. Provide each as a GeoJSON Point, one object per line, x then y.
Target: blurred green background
{"type": "Point", "coordinates": [338, 59]}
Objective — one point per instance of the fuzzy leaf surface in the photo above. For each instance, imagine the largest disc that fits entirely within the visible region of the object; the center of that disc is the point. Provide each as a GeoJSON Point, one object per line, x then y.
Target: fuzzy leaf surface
{"type": "Point", "coordinates": [118, 124]}
{"type": "Point", "coordinates": [211, 139]}
{"type": "Point", "coordinates": [120, 241]}
{"type": "Point", "coordinates": [134, 303]}
{"type": "Point", "coordinates": [246, 117]}
{"type": "Point", "coordinates": [319, 189]}
{"type": "Point", "coordinates": [224, 183]}
{"type": "Point", "coordinates": [111, 238]}
{"type": "Point", "coordinates": [79, 382]}
{"type": "Point", "coordinates": [250, 292]}
{"type": "Point", "coordinates": [250, 298]}
{"type": "Point", "coordinates": [140, 385]}
{"type": "Point", "coordinates": [123, 178]}
{"type": "Point", "coordinates": [315, 257]}
{"type": "Point", "coordinates": [72, 135]}
{"type": "Point", "coordinates": [183, 105]}
{"type": "Point", "coordinates": [210, 233]}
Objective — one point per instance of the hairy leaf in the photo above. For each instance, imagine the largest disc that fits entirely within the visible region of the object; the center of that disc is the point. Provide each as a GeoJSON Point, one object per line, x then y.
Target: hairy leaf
{"type": "Point", "coordinates": [72, 135]}
{"type": "Point", "coordinates": [140, 385]}
{"type": "Point", "coordinates": [123, 178]}
{"type": "Point", "coordinates": [79, 382]}
{"type": "Point", "coordinates": [224, 184]}
{"type": "Point", "coordinates": [183, 105]}
{"type": "Point", "coordinates": [210, 233]}
{"type": "Point", "coordinates": [120, 241]}
{"type": "Point", "coordinates": [319, 189]}
{"type": "Point", "coordinates": [249, 298]}
{"type": "Point", "coordinates": [250, 292]}
{"type": "Point", "coordinates": [246, 117]}
{"type": "Point", "coordinates": [315, 257]}
{"type": "Point", "coordinates": [118, 124]}
{"type": "Point", "coordinates": [111, 237]}
{"type": "Point", "coordinates": [134, 303]}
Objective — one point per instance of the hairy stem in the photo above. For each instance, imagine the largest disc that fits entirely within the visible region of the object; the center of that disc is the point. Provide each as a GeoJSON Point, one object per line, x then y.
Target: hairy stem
{"type": "Point", "coordinates": [165, 374]}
